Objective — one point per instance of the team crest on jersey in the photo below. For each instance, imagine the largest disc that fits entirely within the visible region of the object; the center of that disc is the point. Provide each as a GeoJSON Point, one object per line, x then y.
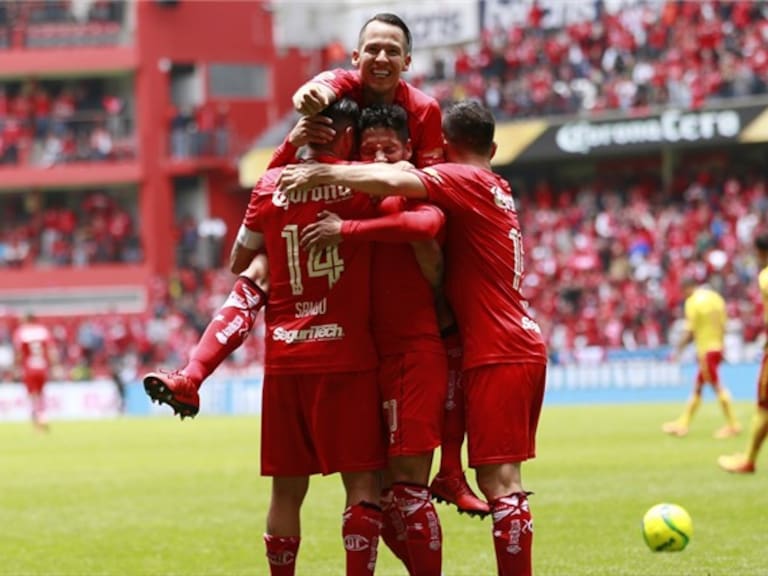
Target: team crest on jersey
{"type": "Point", "coordinates": [502, 199]}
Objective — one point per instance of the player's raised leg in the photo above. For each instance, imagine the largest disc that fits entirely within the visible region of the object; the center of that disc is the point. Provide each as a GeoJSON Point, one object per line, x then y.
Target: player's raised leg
{"type": "Point", "coordinates": [226, 332]}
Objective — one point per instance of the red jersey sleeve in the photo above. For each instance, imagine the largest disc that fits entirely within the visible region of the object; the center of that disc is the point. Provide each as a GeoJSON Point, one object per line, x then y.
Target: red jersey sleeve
{"type": "Point", "coordinates": [339, 80]}
{"type": "Point", "coordinates": [283, 155]}
{"type": "Point", "coordinates": [262, 195]}
{"type": "Point", "coordinates": [420, 222]}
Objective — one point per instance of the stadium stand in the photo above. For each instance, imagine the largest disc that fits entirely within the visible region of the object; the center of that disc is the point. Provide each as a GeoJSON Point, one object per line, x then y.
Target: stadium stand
{"type": "Point", "coordinates": [644, 56]}
{"type": "Point", "coordinates": [43, 123]}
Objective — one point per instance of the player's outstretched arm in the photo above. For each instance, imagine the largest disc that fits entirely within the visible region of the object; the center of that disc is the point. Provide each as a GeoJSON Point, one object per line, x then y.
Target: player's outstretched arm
{"type": "Point", "coordinates": [398, 179]}
{"type": "Point", "coordinates": [420, 224]}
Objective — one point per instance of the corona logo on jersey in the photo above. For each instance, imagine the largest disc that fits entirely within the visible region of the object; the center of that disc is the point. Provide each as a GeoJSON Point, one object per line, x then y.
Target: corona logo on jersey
{"type": "Point", "coordinates": [311, 334]}
{"type": "Point", "coordinates": [328, 193]}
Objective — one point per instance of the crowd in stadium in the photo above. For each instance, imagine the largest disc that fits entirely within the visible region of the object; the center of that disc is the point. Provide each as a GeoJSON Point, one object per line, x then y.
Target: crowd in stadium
{"type": "Point", "coordinates": [53, 122]}
{"type": "Point", "coordinates": [76, 229]}
{"type": "Point", "coordinates": [684, 55]}
{"type": "Point", "coordinates": [606, 262]}
{"type": "Point", "coordinates": [60, 23]}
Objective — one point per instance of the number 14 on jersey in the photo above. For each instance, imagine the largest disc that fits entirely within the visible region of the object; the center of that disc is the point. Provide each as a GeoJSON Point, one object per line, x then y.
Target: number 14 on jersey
{"type": "Point", "coordinates": [325, 262]}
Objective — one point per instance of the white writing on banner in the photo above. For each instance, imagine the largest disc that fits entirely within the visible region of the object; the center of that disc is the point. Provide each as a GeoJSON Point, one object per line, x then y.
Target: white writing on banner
{"type": "Point", "coordinates": [63, 401]}
{"type": "Point", "coordinates": [635, 374]}
{"type": "Point", "coordinates": [555, 13]}
{"type": "Point", "coordinates": [672, 126]}
{"type": "Point", "coordinates": [433, 24]}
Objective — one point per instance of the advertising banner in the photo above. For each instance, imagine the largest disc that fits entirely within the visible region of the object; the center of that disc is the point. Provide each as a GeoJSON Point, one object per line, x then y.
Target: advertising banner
{"type": "Point", "coordinates": [63, 401]}
{"type": "Point", "coordinates": [559, 139]}
{"type": "Point", "coordinates": [433, 24]}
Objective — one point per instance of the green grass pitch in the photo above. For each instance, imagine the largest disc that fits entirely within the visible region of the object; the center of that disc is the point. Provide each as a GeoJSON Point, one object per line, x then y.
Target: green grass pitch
{"type": "Point", "coordinates": [159, 497]}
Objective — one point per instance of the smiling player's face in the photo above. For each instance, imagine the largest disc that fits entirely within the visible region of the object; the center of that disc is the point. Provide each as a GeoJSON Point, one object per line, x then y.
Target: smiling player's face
{"type": "Point", "coordinates": [381, 57]}
{"type": "Point", "coordinates": [381, 144]}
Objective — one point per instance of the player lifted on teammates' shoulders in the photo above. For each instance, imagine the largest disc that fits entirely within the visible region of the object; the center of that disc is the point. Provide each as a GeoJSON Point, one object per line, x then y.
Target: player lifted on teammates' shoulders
{"type": "Point", "coordinates": [504, 353]}
{"type": "Point", "coordinates": [745, 463]}
{"type": "Point", "coordinates": [383, 53]}
{"type": "Point", "coordinates": [705, 319]}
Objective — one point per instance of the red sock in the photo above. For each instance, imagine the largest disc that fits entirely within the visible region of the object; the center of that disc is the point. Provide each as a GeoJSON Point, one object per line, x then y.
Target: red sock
{"type": "Point", "coordinates": [393, 529]}
{"type": "Point", "coordinates": [424, 536]}
{"type": "Point", "coordinates": [454, 426]}
{"type": "Point", "coordinates": [513, 534]}
{"type": "Point", "coordinates": [361, 527]}
{"type": "Point", "coordinates": [227, 330]}
{"type": "Point", "coordinates": [281, 554]}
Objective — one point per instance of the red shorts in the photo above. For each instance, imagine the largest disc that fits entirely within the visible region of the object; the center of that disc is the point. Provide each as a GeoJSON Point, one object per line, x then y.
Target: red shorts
{"type": "Point", "coordinates": [34, 380]}
{"type": "Point", "coordinates": [762, 383]}
{"type": "Point", "coordinates": [503, 403]}
{"type": "Point", "coordinates": [413, 392]}
{"type": "Point", "coordinates": [708, 373]}
{"type": "Point", "coordinates": [321, 423]}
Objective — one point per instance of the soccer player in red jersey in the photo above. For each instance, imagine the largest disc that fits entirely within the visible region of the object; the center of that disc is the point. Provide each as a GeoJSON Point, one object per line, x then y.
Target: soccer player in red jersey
{"type": "Point", "coordinates": [412, 363]}
{"type": "Point", "coordinates": [382, 55]}
{"type": "Point", "coordinates": [505, 356]}
{"type": "Point", "coordinates": [35, 355]}
{"type": "Point", "coordinates": [320, 409]}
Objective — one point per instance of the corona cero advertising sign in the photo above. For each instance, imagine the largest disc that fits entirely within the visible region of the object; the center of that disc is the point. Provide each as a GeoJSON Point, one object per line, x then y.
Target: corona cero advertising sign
{"type": "Point", "coordinates": [557, 139]}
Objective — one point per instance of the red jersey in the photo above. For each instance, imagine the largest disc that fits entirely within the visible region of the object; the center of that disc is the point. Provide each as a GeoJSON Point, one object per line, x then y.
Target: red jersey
{"type": "Point", "coordinates": [33, 342]}
{"type": "Point", "coordinates": [403, 310]}
{"type": "Point", "coordinates": [424, 117]}
{"type": "Point", "coordinates": [318, 313]}
{"type": "Point", "coordinates": [484, 265]}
